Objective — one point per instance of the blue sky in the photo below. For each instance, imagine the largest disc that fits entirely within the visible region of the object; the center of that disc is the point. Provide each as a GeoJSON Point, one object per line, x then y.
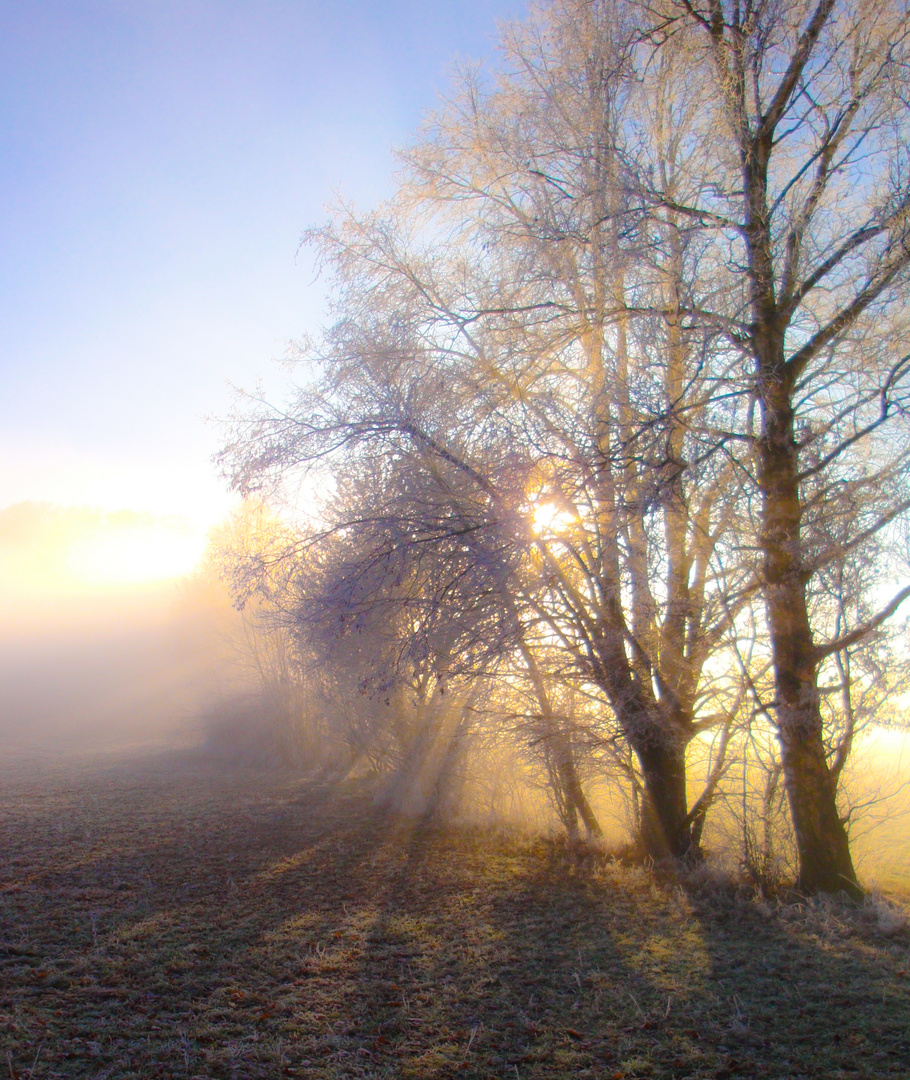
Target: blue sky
{"type": "Point", "coordinates": [158, 164]}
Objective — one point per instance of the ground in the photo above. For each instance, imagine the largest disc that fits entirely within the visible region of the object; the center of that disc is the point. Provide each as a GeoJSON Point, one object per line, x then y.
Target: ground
{"type": "Point", "coordinates": [161, 919]}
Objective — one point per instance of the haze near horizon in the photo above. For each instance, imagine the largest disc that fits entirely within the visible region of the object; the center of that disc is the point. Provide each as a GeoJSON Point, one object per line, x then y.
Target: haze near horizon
{"type": "Point", "coordinates": [160, 163]}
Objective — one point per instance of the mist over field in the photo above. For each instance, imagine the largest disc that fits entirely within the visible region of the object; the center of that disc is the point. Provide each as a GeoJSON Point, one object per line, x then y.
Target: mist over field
{"type": "Point", "coordinates": [104, 649]}
{"type": "Point", "coordinates": [99, 647]}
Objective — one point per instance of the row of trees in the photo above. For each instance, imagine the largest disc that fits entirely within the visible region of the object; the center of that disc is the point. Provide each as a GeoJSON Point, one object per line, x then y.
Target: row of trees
{"type": "Point", "coordinates": [613, 409]}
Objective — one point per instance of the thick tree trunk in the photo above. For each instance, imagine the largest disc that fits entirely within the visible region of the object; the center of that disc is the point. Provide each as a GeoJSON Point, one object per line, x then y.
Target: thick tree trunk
{"type": "Point", "coordinates": [666, 831]}
{"type": "Point", "coordinates": [825, 864]}
{"type": "Point", "coordinates": [824, 851]}
{"type": "Point", "coordinates": [659, 743]}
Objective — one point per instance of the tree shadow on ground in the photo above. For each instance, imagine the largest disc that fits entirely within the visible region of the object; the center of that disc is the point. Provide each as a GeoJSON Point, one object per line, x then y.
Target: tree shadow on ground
{"type": "Point", "coordinates": [165, 920]}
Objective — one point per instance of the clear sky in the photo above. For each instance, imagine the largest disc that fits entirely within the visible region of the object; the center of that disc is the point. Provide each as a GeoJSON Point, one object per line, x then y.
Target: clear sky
{"type": "Point", "coordinates": [159, 160]}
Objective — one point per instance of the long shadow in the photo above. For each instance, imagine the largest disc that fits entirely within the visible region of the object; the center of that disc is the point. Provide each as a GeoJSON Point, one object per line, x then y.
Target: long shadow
{"type": "Point", "coordinates": [214, 926]}
{"type": "Point", "coordinates": [499, 959]}
{"type": "Point", "coordinates": [561, 971]}
{"type": "Point", "coordinates": [134, 901]}
{"type": "Point", "coordinates": [806, 990]}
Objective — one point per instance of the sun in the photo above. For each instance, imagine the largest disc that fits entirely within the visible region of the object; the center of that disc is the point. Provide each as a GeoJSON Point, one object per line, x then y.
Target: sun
{"type": "Point", "coordinates": [134, 553]}
{"type": "Point", "coordinates": [549, 519]}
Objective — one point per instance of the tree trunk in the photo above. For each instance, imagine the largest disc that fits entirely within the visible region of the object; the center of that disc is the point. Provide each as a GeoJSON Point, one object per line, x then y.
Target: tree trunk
{"type": "Point", "coordinates": [570, 792]}
{"type": "Point", "coordinates": [665, 827]}
{"type": "Point", "coordinates": [659, 742]}
{"type": "Point", "coordinates": [574, 793]}
{"type": "Point", "coordinates": [825, 864]}
{"type": "Point", "coordinates": [824, 852]}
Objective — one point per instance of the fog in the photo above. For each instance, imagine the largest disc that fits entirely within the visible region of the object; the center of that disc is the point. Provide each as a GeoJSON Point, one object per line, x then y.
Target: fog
{"type": "Point", "coordinates": [101, 651]}
{"type": "Point", "coordinates": [92, 660]}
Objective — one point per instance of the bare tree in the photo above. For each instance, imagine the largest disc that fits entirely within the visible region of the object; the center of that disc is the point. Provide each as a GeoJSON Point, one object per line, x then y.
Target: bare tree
{"type": "Point", "coordinates": [515, 328]}
{"type": "Point", "coordinates": [659, 264]}
{"type": "Point", "coordinates": [804, 190]}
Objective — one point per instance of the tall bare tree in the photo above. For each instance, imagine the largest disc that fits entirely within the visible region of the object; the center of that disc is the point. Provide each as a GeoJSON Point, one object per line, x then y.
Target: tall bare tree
{"type": "Point", "coordinates": [514, 326]}
{"type": "Point", "coordinates": [659, 264]}
{"type": "Point", "coordinates": [805, 189]}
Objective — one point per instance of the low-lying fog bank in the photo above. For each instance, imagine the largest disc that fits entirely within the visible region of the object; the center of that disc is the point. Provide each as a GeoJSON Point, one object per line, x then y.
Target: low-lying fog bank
{"type": "Point", "coordinates": [100, 644]}
{"type": "Point", "coordinates": [107, 668]}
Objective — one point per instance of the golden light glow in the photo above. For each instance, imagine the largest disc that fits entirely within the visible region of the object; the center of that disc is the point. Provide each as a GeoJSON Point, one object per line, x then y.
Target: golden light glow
{"type": "Point", "coordinates": [548, 518]}
{"type": "Point", "coordinates": [135, 554]}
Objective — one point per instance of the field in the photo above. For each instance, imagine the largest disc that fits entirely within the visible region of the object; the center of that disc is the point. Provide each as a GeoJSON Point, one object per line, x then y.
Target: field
{"type": "Point", "coordinates": [161, 919]}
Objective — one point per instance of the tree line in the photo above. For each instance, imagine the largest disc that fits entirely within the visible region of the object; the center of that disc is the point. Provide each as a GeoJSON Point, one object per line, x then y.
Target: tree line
{"type": "Point", "coordinates": [610, 425]}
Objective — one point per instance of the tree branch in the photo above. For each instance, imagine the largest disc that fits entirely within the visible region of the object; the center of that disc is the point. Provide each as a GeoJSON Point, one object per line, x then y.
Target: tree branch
{"type": "Point", "coordinates": [844, 642]}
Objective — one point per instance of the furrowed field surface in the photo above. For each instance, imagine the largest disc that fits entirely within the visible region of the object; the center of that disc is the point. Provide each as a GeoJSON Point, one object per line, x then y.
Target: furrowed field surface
{"type": "Point", "coordinates": [158, 919]}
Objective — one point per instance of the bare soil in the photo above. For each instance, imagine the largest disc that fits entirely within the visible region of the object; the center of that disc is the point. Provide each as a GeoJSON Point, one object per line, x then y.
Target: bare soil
{"type": "Point", "coordinates": [161, 919]}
